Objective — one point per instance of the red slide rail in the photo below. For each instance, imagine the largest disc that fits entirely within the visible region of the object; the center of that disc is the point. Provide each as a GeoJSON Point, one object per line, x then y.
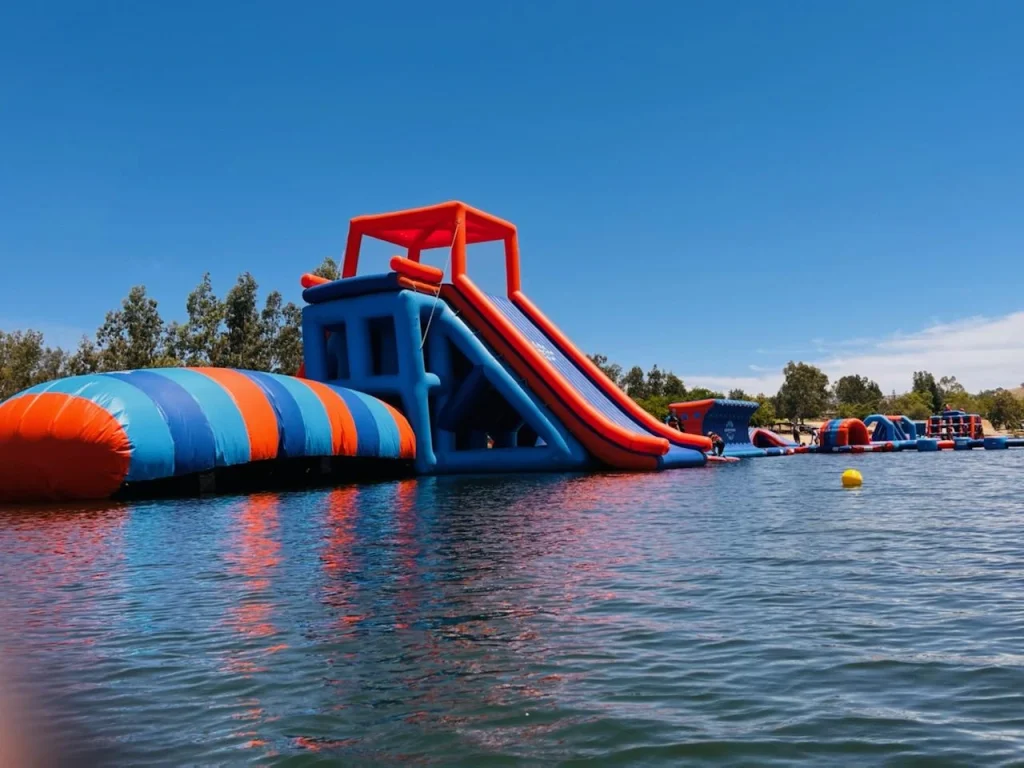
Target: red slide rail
{"type": "Point", "coordinates": [457, 225]}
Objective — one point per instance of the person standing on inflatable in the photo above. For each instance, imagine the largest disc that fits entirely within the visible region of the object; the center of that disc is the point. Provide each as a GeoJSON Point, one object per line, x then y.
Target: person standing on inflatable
{"type": "Point", "coordinates": [717, 444]}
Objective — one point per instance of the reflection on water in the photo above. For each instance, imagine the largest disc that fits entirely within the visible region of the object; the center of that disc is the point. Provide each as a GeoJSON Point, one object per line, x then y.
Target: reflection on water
{"type": "Point", "coordinates": [742, 613]}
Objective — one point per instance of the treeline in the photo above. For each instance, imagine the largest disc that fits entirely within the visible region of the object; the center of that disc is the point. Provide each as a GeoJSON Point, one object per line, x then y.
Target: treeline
{"type": "Point", "coordinates": [240, 331]}
{"type": "Point", "coordinates": [237, 330]}
{"type": "Point", "coordinates": [806, 393]}
{"type": "Point", "coordinates": [655, 390]}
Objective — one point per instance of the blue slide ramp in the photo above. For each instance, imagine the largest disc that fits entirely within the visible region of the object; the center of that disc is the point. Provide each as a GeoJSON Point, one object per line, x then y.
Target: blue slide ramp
{"type": "Point", "coordinates": [677, 456]}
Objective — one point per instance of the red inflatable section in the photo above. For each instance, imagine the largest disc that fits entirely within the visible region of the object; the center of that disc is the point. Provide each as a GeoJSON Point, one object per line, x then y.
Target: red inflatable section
{"type": "Point", "coordinates": [61, 447]}
{"type": "Point", "coordinates": [842, 432]}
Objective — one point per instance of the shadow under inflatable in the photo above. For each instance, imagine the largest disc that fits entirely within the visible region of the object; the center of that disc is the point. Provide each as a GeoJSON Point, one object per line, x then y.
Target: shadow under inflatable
{"type": "Point", "coordinates": [272, 475]}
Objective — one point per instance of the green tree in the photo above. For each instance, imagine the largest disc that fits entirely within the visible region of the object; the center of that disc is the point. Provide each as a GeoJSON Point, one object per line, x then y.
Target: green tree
{"type": "Point", "coordinates": [656, 405]}
{"type": "Point", "coordinates": [764, 416]}
{"type": "Point", "coordinates": [804, 391]}
{"type": "Point", "coordinates": [198, 341]}
{"type": "Point", "coordinates": [738, 394]}
{"type": "Point", "coordinates": [859, 392]}
{"type": "Point", "coordinates": [674, 388]}
{"type": "Point", "coordinates": [634, 383]}
{"type": "Point", "coordinates": [611, 370]}
{"type": "Point", "coordinates": [288, 341]}
{"type": "Point", "coordinates": [85, 359]}
{"type": "Point", "coordinates": [703, 393]}
{"type": "Point", "coordinates": [913, 405]}
{"type": "Point", "coordinates": [240, 343]}
{"type": "Point", "coordinates": [132, 336]}
{"type": "Point", "coordinates": [20, 353]}
{"type": "Point", "coordinates": [925, 384]}
{"type": "Point", "coordinates": [956, 396]}
{"type": "Point", "coordinates": [1006, 411]}
{"type": "Point", "coordinates": [328, 268]}
{"type": "Point", "coordinates": [655, 382]}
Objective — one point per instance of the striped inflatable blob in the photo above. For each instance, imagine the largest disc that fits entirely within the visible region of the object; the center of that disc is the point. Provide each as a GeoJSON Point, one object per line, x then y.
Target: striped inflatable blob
{"type": "Point", "coordinates": [82, 437]}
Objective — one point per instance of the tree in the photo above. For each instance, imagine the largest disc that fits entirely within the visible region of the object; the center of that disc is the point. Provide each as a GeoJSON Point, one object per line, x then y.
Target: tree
{"type": "Point", "coordinates": [240, 344]}
{"type": "Point", "coordinates": [86, 359]}
{"type": "Point", "coordinates": [925, 384]}
{"type": "Point", "coordinates": [655, 382]}
{"type": "Point", "coordinates": [611, 370]}
{"type": "Point", "coordinates": [328, 268]}
{"type": "Point", "coordinates": [288, 341]}
{"type": "Point", "coordinates": [738, 394]}
{"type": "Point", "coordinates": [132, 336]}
{"type": "Point", "coordinates": [20, 353]}
{"type": "Point", "coordinates": [197, 342]}
{"type": "Point", "coordinates": [674, 387]}
{"type": "Point", "coordinates": [913, 405]}
{"type": "Point", "coordinates": [764, 416]}
{"type": "Point", "coordinates": [956, 396]}
{"type": "Point", "coordinates": [634, 383]}
{"type": "Point", "coordinates": [656, 405]}
{"type": "Point", "coordinates": [804, 391]}
{"type": "Point", "coordinates": [859, 391]}
{"type": "Point", "coordinates": [1006, 410]}
{"type": "Point", "coordinates": [703, 393]}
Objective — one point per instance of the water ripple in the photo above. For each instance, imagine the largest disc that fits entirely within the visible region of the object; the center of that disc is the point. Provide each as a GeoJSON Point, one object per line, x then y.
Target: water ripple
{"type": "Point", "coordinates": [752, 613]}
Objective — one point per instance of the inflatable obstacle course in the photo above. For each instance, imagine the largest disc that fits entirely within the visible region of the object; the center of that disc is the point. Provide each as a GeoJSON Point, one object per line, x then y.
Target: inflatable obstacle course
{"type": "Point", "coordinates": [401, 371]}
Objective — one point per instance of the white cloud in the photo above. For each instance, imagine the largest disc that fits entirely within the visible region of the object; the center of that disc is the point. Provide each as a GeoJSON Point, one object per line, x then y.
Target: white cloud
{"type": "Point", "coordinates": [982, 352]}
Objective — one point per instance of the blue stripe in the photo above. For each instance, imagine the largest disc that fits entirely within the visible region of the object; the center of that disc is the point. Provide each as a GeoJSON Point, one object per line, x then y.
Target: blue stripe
{"type": "Point", "coordinates": [367, 434]}
{"type": "Point", "coordinates": [150, 438]}
{"type": "Point", "coordinates": [390, 439]}
{"type": "Point", "coordinates": [194, 446]}
{"type": "Point", "coordinates": [230, 435]}
{"type": "Point", "coordinates": [319, 441]}
{"type": "Point", "coordinates": [290, 427]}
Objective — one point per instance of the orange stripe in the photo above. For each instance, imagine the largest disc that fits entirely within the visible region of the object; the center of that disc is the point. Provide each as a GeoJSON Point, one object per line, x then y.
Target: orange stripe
{"type": "Point", "coordinates": [257, 413]}
{"type": "Point", "coordinates": [416, 285]}
{"type": "Point", "coordinates": [58, 446]}
{"type": "Point", "coordinates": [423, 273]}
{"type": "Point", "coordinates": [407, 438]}
{"type": "Point", "coordinates": [344, 437]}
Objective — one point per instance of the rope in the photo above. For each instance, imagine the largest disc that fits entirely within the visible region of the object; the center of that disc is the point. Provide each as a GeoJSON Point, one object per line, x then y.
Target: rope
{"type": "Point", "coordinates": [437, 296]}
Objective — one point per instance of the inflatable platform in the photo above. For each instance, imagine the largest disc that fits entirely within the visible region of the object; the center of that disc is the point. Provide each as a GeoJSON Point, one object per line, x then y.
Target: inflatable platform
{"type": "Point", "coordinates": [730, 419]}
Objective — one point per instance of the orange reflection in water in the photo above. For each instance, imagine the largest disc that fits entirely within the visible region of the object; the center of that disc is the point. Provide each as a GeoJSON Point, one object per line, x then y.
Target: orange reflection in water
{"type": "Point", "coordinates": [253, 554]}
{"type": "Point", "coordinates": [407, 548]}
{"type": "Point", "coordinates": [336, 557]}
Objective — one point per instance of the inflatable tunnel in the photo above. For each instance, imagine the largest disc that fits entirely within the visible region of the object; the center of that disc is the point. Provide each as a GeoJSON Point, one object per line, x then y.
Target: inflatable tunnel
{"type": "Point", "coordinates": [843, 433]}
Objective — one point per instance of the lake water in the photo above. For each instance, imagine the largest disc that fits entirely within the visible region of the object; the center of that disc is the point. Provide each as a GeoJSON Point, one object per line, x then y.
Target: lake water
{"type": "Point", "coordinates": [746, 614]}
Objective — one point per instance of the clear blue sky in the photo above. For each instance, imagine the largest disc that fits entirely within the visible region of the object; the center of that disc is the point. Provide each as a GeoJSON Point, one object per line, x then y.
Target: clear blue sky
{"type": "Point", "coordinates": [707, 186]}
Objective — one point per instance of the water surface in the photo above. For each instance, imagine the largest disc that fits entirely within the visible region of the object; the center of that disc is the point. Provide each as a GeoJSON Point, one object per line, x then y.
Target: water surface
{"type": "Point", "coordinates": [749, 613]}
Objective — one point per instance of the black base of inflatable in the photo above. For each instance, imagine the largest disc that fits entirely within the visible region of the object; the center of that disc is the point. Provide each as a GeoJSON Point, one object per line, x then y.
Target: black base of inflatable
{"type": "Point", "coordinates": [276, 475]}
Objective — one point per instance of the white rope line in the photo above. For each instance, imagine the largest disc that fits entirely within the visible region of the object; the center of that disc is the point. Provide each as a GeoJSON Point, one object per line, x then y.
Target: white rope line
{"type": "Point", "coordinates": [437, 296]}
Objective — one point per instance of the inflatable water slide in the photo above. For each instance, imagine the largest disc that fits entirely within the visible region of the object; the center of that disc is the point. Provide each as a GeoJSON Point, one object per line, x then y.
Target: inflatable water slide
{"type": "Point", "coordinates": [401, 370]}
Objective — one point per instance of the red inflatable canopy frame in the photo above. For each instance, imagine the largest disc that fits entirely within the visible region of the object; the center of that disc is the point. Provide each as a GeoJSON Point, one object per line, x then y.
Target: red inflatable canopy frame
{"type": "Point", "coordinates": [447, 225]}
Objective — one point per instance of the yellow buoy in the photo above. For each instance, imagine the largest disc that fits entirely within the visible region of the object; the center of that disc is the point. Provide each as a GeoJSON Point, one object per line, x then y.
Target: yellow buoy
{"type": "Point", "coordinates": [852, 479]}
